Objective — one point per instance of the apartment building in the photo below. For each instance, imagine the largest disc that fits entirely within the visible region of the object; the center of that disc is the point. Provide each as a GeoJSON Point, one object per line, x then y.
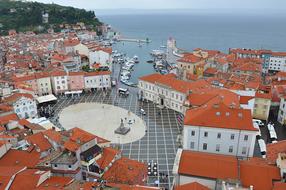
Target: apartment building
{"type": "Point", "coordinates": [167, 91]}
{"type": "Point", "coordinates": [209, 127]}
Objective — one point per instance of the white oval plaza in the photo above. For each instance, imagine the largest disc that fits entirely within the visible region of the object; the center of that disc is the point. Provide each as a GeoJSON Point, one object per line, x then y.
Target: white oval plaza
{"type": "Point", "coordinates": [102, 120]}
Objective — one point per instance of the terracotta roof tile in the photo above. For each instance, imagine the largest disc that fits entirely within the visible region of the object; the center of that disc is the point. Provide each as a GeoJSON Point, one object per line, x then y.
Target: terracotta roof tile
{"type": "Point", "coordinates": [40, 141]}
{"type": "Point", "coordinates": [126, 171]}
{"type": "Point", "coordinates": [220, 116]}
{"type": "Point", "coordinates": [20, 158]}
{"type": "Point", "coordinates": [107, 156]}
{"type": "Point", "coordinates": [274, 149]}
{"type": "Point", "coordinates": [208, 165]}
{"type": "Point", "coordinates": [258, 173]}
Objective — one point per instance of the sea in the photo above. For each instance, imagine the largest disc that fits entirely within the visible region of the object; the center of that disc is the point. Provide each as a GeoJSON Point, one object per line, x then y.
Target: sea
{"type": "Point", "coordinates": [195, 29]}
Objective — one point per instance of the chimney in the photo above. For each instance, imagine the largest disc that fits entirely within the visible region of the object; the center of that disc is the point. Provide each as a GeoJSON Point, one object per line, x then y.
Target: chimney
{"type": "Point", "coordinates": [251, 187]}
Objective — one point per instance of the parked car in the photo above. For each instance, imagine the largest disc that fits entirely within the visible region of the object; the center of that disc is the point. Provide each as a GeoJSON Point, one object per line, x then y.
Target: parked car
{"type": "Point", "coordinates": [259, 122]}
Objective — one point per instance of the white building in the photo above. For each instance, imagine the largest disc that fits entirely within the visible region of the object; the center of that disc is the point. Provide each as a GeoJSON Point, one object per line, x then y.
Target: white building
{"type": "Point", "coordinates": [277, 62]}
{"type": "Point", "coordinates": [102, 56]}
{"type": "Point", "coordinates": [97, 80]}
{"type": "Point", "coordinates": [23, 105]}
{"type": "Point", "coordinates": [209, 127]}
{"type": "Point", "coordinates": [44, 85]}
{"type": "Point", "coordinates": [167, 91]}
{"type": "Point", "coordinates": [59, 80]}
{"type": "Point", "coordinates": [282, 111]}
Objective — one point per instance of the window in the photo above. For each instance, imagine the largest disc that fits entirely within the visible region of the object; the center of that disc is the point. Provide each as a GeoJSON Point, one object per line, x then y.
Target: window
{"type": "Point", "coordinates": [246, 137]}
{"type": "Point", "coordinates": [243, 150]}
{"type": "Point", "coordinates": [219, 135]}
{"type": "Point", "coordinates": [55, 165]}
{"type": "Point", "coordinates": [192, 145]}
{"type": "Point", "coordinates": [205, 146]}
{"type": "Point", "coordinates": [205, 134]}
{"type": "Point", "coordinates": [69, 166]}
{"type": "Point", "coordinates": [193, 133]}
{"type": "Point", "coordinates": [217, 148]}
{"type": "Point", "coordinates": [230, 150]}
{"type": "Point", "coordinates": [232, 136]}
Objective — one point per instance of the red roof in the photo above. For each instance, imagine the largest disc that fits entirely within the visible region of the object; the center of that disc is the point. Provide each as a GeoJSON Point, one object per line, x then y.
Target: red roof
{"type": "Point", "coordinates": [53, 135]}
{"type": "Point", "coordinates": [71, 42]}
{"type": "Point", "coordinates": [17, 96]}
{"type": "Point", "coordinates": [7, 118]}
{"type": "Point", "coordinates": [208, 165]}
{"type": "Point", "coordinates": [55, 183]}
{"type": "Point", "coordinates": [274, 149]}
{"type": "Point", "coordinates": [96, 73]}
{"type": "Point", "coordinates": [279, 186]}
{"type": "Point", "coordinates": [175, 84]}
{"type": "Point", "coordinates": [220, 116]}
{"type": "Point", "coordinates": [258, 173]}
{"type": "Point", "coordinates": [126, 171]}
{"type": "Point", "coordinates": [192, 186]}
{"type": "Point", "coordinates": [40, 141]}
{"type": "Point", "coordinates": [20, 158]}
{"type": "Point", "coordinates": [245, 99]}
{"type": "Point", "coordinates": [27, 180]}
{"type": "Point", "coordinates": [190, 58]}
{"type": "Point", "coordinates": [279, 54]}
{"type": "Point", "coordinates": [107, 156]}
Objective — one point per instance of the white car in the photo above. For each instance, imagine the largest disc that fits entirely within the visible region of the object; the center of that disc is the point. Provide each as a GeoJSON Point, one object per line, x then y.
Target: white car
{"type": "Point", "coordinates": [262, 146]}
{"type": "Point", "coordinates": [142, 112]}
{"type": "Point", "coordinates": [259, 122]}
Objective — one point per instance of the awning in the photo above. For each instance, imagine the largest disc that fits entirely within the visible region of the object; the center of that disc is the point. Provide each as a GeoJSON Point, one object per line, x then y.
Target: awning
{"type": "Point", "coordinates": [47, 98]}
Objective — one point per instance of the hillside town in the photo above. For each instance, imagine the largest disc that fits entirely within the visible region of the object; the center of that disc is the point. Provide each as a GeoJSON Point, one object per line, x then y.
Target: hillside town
{"type": "Point", "coordinates": [225, 113]}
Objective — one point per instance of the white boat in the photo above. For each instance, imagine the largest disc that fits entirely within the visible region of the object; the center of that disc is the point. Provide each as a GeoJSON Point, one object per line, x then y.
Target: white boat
{"type": "Point", "coordinates": [136, 59]}
{"type": "Point", "coordinates": [162, 46]}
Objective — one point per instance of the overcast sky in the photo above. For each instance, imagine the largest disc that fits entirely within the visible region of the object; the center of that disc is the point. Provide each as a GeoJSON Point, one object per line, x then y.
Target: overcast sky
{"type": "Point", "coordinates": [169, 4]}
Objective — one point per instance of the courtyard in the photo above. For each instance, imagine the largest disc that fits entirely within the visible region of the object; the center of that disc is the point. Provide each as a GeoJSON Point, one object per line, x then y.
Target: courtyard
{"type": "Point", "coordinates": [159, 143]}
{"type": "Point", "coordinates": [102, 120]}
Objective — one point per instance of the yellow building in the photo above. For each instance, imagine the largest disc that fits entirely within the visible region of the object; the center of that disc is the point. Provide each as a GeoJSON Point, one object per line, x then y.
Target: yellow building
{"type": "Point", "coordinates": [262, 106]}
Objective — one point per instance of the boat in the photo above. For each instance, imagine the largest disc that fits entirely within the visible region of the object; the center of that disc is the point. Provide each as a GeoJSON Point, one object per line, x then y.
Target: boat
{"type": "Point", "coordinates": [135, 59]}
{"type": "Point", "coordinates": [163, 46]}
{"type": "Point", "coordinates": [150, 61]}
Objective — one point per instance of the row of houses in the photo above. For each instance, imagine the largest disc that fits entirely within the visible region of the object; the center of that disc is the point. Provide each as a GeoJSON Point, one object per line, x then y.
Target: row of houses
{"type": "Point", "coordinates": [59, 82]}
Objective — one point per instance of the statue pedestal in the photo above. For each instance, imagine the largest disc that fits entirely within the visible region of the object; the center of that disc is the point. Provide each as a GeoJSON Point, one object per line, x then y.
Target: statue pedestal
{"type": "Point", "coordinates": [122, 130]}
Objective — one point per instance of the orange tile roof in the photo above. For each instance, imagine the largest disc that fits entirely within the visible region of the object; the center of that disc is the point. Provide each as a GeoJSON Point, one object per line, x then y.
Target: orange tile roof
{"type": "Point", "coordinates": [175, 84]}
{"type": "Point", "coordinates": [211, 71]}
{"type": "Point", "coordinates": [79, 134]}
{"type": "Point", "coordinates": [208, 165]}
{"type": "Point", "coordinates": [26, 180]}
{"type": "Point", "coordinates": [190, 58]}
{"type": "Point", "coordinates": [7, 118]}
{"type": "Point", "coordinates": [126, 171]}
{"type": "Point", "coordinates": [71, 146]}
{"type": "Point", "coordinates": [214, 95]}
{"type": "Point", "coordinates": [53, 135]}
{"type": "Point", "coordinates": [279, 186]}
{"type": "Point", "coordinates": [220, 116]}
{"type": "Point", "coordinates": [258, 173]}
{"type": "Point", "coordinates": [192, 186]}
{"type": "Point", "coordinates": [245, 99]}
{"type": "Point", "coordinates": [107, 156]}
{"type": "Point", "coordinates": [263, 95]}
{"type": "Point", "coordinates": [97, 73]}
{"type": "Point", "coordinates": [55, 183]}
{"type": "Point", "coordinates": [71, 42]}
{"type": "Point", "coordinates": [17, 96]}
{"type": "Point", "coordinates": [279, 54]}
{"type": "Point", "coordinates": [20, 158]}
{"type": "Point", "coordinates": [40, 141]}
{"type": "Point", "coordinates": [274, 149]}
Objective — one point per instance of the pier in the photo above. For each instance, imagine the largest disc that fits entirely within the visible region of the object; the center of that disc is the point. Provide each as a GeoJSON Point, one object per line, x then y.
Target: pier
{"type": "Point", "coordinates": [147, 40]}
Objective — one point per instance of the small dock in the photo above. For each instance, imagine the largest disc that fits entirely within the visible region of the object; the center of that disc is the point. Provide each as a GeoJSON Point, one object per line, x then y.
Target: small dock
{"type": "Point", "coordinates": [147, 40]}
